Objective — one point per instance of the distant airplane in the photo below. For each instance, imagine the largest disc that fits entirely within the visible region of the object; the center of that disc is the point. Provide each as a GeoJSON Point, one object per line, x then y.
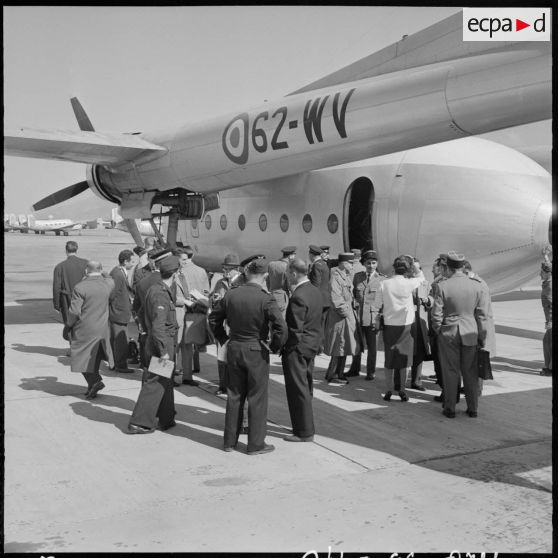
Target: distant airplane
{"type": "Point", "coordinates": [28, 223]}
{"type": "Point", "coordinates": [361, 157]}
{"type": "Point", "coordinates": [144, 227]}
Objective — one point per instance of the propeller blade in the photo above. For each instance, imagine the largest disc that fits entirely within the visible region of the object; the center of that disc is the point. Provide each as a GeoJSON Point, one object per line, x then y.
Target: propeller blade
{"type": "Point", "coordinates": [81, 116]}
{"type": "Point", "coordinates": [61, 195]}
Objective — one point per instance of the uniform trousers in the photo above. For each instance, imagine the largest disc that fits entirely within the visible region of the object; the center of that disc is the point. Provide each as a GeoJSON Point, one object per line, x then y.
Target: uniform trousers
{"type": "Point", "coordinates": [325, 310]}
{"type": "Point", "coordinates": [92, 378]}
{"type": "Point", "coordinates": [248, 378]}
{"type": "Point", "coordinates": [119, 344]}
{"type": "Point", "coordinates": [547, 348]}
{"type": "Point", "coordinates": [336, 367]}
{"type": "Point", "coordinates": [299, 386]}
{"type": "Point", "coordinates": [371, 338]}
{"type": "Point", "coordinates": [396, 379]}
{"type": "Point", "coordinates": [156, 400]}
{"type": "Point", "coordinates": [458, 360]}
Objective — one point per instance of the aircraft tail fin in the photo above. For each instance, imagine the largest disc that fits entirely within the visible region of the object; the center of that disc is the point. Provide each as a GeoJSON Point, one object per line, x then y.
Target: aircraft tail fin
{"type": "Point", "coordinates": [442, 41]}
{"type": "Point", "coordinates": [81, 116]}
{"type": "Point", "coordinates": [30, 220]}
{"type": "Point", "coordinates": [115, 216]}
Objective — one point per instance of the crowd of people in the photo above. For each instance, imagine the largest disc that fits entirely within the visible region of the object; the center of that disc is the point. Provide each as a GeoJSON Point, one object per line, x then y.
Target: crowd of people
{"type": "Point", "coordinates": [294, 307]}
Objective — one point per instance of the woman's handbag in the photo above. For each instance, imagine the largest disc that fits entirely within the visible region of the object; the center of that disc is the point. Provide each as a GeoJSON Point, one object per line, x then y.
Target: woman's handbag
{"type": "Point", "coordinates": [483, 364]}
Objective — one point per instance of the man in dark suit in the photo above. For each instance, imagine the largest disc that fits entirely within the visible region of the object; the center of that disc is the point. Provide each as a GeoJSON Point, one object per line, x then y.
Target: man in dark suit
{"type": "Point", "coordinates": [67, 275]}
{"type": "Point", "coordinates": [249, 310]}
{"type": "Point", "coordinates": [304, 320]}
{"type": "Point", "coordinates": [459, 319]}
{"type": "Point", "coordinates": [156, 398]}
{"type": "Point", "coordinates": [319, 277]}
{"type": "Point", "coordinates": [120, 310]}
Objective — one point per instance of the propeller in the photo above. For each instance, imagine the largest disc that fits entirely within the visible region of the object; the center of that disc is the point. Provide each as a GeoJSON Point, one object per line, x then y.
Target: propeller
{"type": "Point", "coordinates": [61, 195]}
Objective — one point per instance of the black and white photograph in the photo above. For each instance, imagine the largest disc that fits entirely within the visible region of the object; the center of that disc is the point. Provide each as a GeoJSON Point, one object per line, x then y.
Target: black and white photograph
{"type": "Point", "coordinates": [278, 279]}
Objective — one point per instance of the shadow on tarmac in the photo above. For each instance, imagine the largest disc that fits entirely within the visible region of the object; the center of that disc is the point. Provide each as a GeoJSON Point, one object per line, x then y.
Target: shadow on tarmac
{"type": "Point", "coordinates": [32, 311]}
{"type": "Point", "coordinates": [515, 365]}
{"type": "Point", "coordinates": [479, 449]}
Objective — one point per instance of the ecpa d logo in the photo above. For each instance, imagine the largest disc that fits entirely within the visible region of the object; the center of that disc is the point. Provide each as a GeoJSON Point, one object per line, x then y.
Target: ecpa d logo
{"type": "Point", "coordinates": [506, 24]}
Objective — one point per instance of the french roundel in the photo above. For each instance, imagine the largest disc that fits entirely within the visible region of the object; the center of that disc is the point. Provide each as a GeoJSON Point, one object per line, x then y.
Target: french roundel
{"type": "Point", "coordinates": [235, 139]}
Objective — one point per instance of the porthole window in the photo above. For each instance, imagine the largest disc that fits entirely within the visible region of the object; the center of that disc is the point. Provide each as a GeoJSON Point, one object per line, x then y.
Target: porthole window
{"type": "Point", "coordinates": [263, 222]}
{"type": "Point", "coordinates": [307, 223]}
{"type": "Point", "coordinates": [241, 222]}
{"type": "Point", "coordinates": [208, 221]}
{"type": "Point", "coordinates": [223, 222]}
{"type": "Point", "coordinates": [194, 223]}
{"type": "Point", "coordinates": [284, 223]}
{"type": "Point", "coordinates": [332, 223]}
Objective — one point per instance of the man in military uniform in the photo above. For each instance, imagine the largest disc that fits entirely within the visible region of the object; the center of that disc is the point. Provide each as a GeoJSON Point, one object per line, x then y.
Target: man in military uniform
{"type": "Point", "coordinates": [156, 398]}
{"type": "Point", "coordinates": [250, 311]}
{"type": "Point", "coordinates": [304, 315]}
{"type": "Point", "coordinates": [138, 306]}
{"type": "Point", "coordinates": [341, 328]}
{"type": "Point", "coordinates": [230, 267]}
{"type": "Point", "coordinates": [67, 275]}
{"type": "Point", "coordinates": [440, 273]}
{"type": "Point", "coordinates": [459, 315]}
{"type": "Point", "coordinates": [366, 284]}
{"type": "Point", "coordinates": [546, 300]}
{"type": "Point", "coordinates": [319, 277]}
{"type": "Point", "coordinates": [277, 281]}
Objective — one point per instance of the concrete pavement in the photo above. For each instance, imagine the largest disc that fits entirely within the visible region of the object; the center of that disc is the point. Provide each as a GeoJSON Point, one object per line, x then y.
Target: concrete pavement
{"type": "Point", "coordinates": [380, 476]}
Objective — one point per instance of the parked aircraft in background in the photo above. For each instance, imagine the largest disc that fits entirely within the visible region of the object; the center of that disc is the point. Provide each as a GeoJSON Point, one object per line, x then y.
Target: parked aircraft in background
{"type": "Point", "coordinates": [28, 223]}
{"type": "Point", "coordinates": [367, 156]}
{"type": "Point", "coordinates": [145, 227]}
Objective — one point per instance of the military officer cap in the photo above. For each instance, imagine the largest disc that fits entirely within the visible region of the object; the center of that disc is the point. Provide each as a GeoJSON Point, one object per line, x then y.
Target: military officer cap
{"type": "Point", "coordinates": [258, 265]}
{"type": "Point", "coordinates": [169, 264]}
{"type": "Point", "coordinates": [288, 250]}
{"type": "Point", "coordinates": [316, 250]}
{"type": "Point", "coordinates": [369, 255]}
{"type": "Point", "coordinates": [249, 259]}
{"type": "Point", "coordinates": [231, 260]}
{"type": "Point", "coordinates": [158, 255]}
{"type": "Point", "coordinates": [346, 257]}
{"type": "Point", "coordinates": [324, 248]}
{"type": "Point", "coordinates": [455, 260]}
{"type": "Point", "coordinates": [188, 250]}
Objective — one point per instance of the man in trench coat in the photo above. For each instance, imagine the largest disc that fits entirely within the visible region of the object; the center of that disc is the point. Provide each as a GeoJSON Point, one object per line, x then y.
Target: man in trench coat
{"type": "Point", "coordinates": [88, 320]}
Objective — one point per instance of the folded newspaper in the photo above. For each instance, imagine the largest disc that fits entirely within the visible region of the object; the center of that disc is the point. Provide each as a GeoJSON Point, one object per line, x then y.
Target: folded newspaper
{"type": "Point", "coordinates": [161, 366]}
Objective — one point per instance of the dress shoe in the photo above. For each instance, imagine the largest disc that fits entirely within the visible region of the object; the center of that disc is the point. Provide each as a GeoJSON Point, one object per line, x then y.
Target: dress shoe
{"type": "Point", "coordinates": [95, 388]}
{"type": "Point", "coordinates": [293, 438]}
{"type": "Point", "coordinates": [266, 449]}
{"type": "Point", "coordinates": [545, 372]}
{"type": "Point", "coordinates": [370, 376]}
{"type": "Point", "coordinates": [448, 413]}
{"type": "Point", "coordinates": [229, 448]}
{"type": "Point", "coordinates": [163, 428]}
{"type": "Point", "coordinates": [135, 429]}
{"type": "Point", "coordinates": [221, 392]}
{"type": "Point", "coordinates": [403, 396]}
{"type": "Point", "coordinates": [387, 396]}
{"type": "Point", "coordinates": [351, 373]}
{"type": "Point", "coordinates": [439, 398]}
{"type": "Point", "coordinates": [125, 370]}
{"type": "Point", "coordinates": [417, 387]}
{"type": "Point", "coordinates": [472, 414]}
{"type": "Point", "coordinates": [190, 383]}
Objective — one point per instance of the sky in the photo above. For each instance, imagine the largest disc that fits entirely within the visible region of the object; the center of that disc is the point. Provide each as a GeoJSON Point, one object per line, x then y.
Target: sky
{"type": "Point", "coordinates": [144, 68]}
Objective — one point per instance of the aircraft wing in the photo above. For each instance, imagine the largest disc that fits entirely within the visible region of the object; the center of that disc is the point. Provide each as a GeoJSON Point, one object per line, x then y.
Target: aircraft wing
{"type": "Point", "coordinates": [79, 147]}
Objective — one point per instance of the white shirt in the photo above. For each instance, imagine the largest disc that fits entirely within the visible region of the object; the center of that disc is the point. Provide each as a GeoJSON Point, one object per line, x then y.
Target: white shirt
{"type": "Point", "coordinates": [396, 296]}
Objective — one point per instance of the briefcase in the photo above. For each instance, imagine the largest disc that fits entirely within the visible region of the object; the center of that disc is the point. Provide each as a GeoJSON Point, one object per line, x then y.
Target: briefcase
{"type": "Point", "coordinates": [483, 364]}
{"type": "Point", "coordinates": [161, 366]}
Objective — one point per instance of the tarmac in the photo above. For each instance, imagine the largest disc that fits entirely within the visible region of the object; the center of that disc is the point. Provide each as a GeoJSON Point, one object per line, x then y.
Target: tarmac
{"type": "Point", "coordinates": [379, 476]}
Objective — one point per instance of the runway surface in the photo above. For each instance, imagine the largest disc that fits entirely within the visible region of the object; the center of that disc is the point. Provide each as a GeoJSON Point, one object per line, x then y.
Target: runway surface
{"type": "Point", "coordinates": [379, 477]}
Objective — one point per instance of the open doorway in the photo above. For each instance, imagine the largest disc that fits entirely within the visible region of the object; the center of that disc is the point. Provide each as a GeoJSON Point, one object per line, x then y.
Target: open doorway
{"type": "Point", "coordinates": [359, 202]}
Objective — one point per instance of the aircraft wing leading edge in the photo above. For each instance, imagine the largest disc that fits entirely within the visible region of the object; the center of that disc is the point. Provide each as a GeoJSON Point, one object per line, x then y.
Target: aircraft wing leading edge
{"type": "Point", "coordinates": [79, 147]}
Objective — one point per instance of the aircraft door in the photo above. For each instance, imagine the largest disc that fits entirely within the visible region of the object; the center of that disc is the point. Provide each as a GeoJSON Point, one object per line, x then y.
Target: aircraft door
{"type": "Point", "coordinates": [357, 215]}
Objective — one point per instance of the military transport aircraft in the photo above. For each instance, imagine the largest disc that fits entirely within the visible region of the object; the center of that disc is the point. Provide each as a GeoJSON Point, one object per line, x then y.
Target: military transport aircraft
{"type": "Point", "coordinates": [377, 153]}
